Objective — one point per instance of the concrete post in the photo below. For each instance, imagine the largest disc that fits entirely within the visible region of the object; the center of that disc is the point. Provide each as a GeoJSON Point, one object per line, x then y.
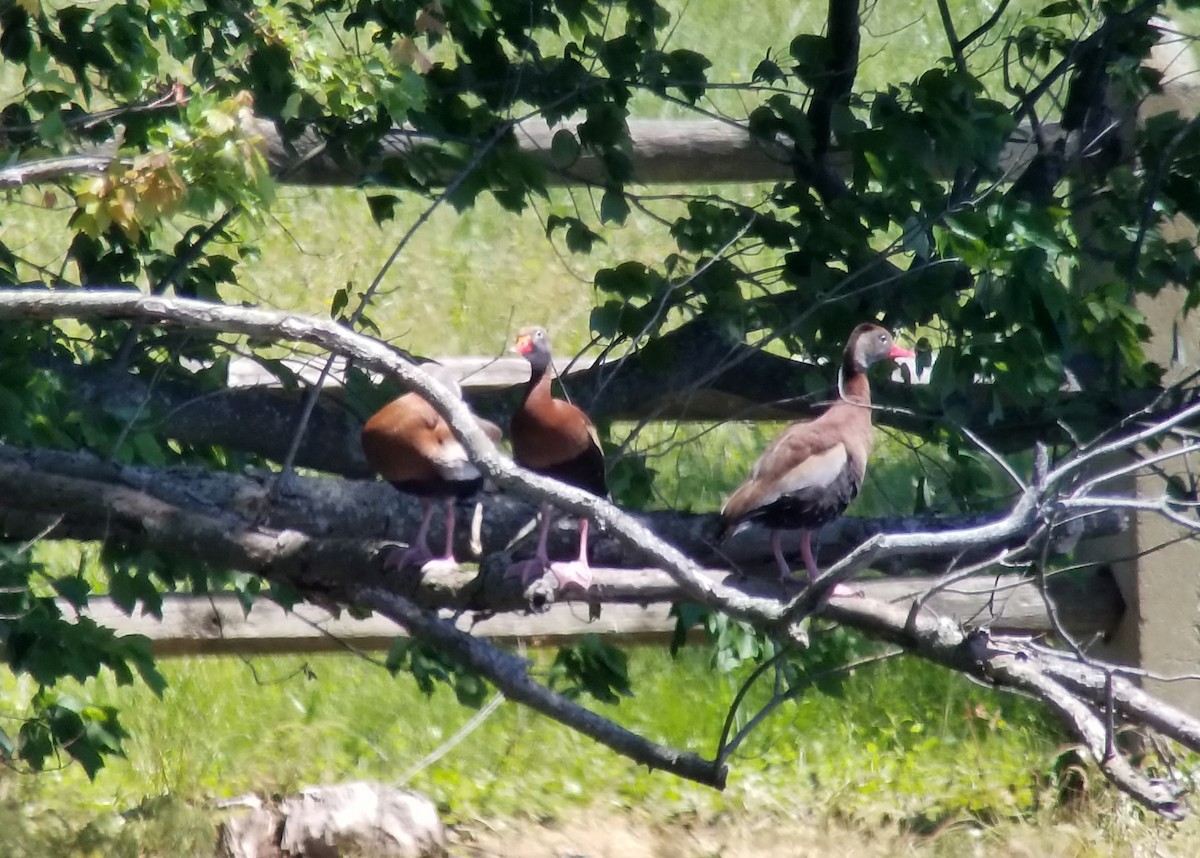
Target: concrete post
{"type": "Point", "coordinates": [1157, 569]}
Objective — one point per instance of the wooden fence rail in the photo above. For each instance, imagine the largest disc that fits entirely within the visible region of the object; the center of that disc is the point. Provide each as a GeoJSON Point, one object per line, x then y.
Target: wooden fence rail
{"type": "Point", "coordinates": [211, 625]}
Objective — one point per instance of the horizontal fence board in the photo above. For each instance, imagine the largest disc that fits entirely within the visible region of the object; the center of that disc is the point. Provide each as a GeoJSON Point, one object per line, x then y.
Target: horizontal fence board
{"type": "Point", "coordinates": [204, 625]}
{"type": "Point", "coordinates": [675, 151]}
{"type": "Point", "coordinates": [476, 374]}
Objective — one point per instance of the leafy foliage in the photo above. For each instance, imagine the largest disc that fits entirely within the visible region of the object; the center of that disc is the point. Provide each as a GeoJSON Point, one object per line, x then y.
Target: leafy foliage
{"type": "Point", "coordinates": [593, 667]}
{"type": "Point", "coordinates": [1028, 284]}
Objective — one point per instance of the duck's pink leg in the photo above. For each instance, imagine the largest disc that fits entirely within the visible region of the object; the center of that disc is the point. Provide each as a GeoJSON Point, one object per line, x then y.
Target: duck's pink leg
{"type": "Point", "coordinates": [417, 553]}
{"type": "Point", "coordinates": [785, 572]}
{"type": "Point", "coordinates": [806, 551]}
{"type": "Point", "coordinates": [535, 567]}
{"type": "Point", "coordinates": [576, 572]}
{"type": "Point", "coordinates": [448, 554]}
{"type": "Point", "coordinates": [446, 562]}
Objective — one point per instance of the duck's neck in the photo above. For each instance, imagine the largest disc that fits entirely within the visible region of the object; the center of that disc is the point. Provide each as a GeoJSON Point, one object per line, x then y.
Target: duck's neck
{"type": "Point", "coordinates": [537, 389]}
{"type": "Point", "coordinates": [853, 385]}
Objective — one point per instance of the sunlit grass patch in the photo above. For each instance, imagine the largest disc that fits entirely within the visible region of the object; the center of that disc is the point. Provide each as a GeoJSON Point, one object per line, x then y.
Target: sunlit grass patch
{"type": "Point", "coordinates": [894, 740]}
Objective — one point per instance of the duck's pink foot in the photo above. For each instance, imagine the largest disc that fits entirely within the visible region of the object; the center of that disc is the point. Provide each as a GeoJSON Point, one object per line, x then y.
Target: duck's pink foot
{"type": "Point", "coordinates": [413, 557]}
{"type": "Point", "coordinates": [842, 591]}
{"type": "Point", "coordinates": [439, 564]}
{"type": "Point", "coordinates": [528, 570]}
{"type": "Point", "coordinates": [572, 572]}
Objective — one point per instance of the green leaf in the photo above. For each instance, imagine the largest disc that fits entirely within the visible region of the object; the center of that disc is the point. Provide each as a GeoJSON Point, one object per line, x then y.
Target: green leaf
{"type": "Point", "coordinates": [397, 657]}
{"type": "Point", "coordinates": [605, 319]}
{"type": "Point", "coordinates": [614, 208]}
{"type": "Point", "coordinates": [341, 298]}
{"type": "Point", "coordinates": [591, 667]}
{"type": "Point", "coordinates": [74, 589]}
{"type": "Point", "coordinates": [564, 149]}
{"type": "Point", "coordinates": [1060, 8]}
{"type": "Point", "coordinates": [580, 238]}
{"type": "Point", "coordinates": [768, 71]}
{"type": "Point", "coordinates": [35, 743]}
{"type": "Point", "coordinates": [687, 617]}
{"type": "Point", "coordinates": [686, 72]}
{"type": "Point", "coordinates": [383, 207]}
{"type": "Point", "coordinates": [811, 54]}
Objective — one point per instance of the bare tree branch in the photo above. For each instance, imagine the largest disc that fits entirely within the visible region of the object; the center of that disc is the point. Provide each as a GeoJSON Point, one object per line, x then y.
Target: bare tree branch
{"type": "Point", "coordinates": [47, 170]}
{"type": "Point", "coordinates": [843, 38]}
{"type": "Point", "coordinates": [1076, 691]}
{"type": "Point", "coordinates": [1018, 664]}
{"type": "Point", "coordinates": [510, 674]}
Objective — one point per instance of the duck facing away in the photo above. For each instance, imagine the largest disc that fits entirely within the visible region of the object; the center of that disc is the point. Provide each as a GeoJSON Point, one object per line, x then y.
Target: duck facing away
{"type": "Point", "coordinates": [809, 474]}
{"type": "Point", "coordinates": [411, 446]}
{"type": "Point", "coordinates": [554, 438]}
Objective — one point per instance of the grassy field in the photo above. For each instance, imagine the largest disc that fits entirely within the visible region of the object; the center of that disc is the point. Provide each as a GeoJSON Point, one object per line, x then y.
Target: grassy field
{"type": "Point", "coordinates": [905, 759]}
{"type": "Point", "coordinates": [899, 744]}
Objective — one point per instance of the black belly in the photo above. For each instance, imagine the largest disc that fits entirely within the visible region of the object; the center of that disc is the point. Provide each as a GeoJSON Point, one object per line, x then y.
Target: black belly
{"type": "Point", "coordinates": [809, 508]}
{"type": "Point", "coordinates": [585, 471]}
{"type": "Point", "coordinates": [440, 488]}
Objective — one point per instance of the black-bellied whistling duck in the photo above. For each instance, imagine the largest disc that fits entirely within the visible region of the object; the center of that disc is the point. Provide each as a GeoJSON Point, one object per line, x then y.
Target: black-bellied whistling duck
{"type": "Point", "coordinates": [807, 476]}
{"type": "Point", "coordinates": [554, 438]}
{"type": "Point", "coordinates": [409, 444]}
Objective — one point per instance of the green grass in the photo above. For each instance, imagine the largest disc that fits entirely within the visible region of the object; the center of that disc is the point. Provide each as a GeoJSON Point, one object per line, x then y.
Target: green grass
{"type": "Point", "coordinates": [904, 741]}
{"type": "Point", "coordinates": [901, 741]}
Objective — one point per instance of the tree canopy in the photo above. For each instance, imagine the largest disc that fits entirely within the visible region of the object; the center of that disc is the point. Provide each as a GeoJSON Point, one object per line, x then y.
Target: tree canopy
{"type": "Point", "coordinates": [1002, 207]}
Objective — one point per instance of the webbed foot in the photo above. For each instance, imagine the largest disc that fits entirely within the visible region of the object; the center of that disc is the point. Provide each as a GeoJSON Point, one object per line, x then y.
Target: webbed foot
{"type": "Point", "coordinates": [572, 572]}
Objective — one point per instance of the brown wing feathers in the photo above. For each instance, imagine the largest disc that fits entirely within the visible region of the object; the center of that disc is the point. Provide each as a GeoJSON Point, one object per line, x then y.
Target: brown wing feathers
{"type": "Point", "coordinates": [409, 444]}
{"type": "Point", "coordinates": [808, 475]}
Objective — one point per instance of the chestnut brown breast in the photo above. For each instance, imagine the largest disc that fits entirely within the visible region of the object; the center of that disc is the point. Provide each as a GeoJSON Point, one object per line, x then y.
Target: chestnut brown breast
{"type": "Point", "coordinates": [556, 438]}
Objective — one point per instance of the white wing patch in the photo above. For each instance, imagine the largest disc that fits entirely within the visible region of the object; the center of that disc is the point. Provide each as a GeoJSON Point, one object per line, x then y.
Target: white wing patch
{"type": "Point", "coordinates": [817, 471]}
{"type": "Point", "coordinates": [821, 469]}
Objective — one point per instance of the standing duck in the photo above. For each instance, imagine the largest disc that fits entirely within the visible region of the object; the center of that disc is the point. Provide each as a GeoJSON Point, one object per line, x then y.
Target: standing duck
{"type": "Point", "coordinates": [556, 439]}
{"type": "Point", "coordinates": [409, 444]}
{"type": "Point", "coordinates": [811, 471]}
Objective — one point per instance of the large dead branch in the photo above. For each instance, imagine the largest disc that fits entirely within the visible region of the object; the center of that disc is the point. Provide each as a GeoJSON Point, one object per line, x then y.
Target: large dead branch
{"type": "Point", "coordinates": [223, 521]}
{"type": "Point", "coordinates": [226, 538]}
{"type": "Point", "coordinates": [370, 510]}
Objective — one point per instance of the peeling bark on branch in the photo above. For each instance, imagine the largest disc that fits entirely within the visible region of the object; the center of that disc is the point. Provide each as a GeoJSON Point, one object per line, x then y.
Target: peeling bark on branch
{"type": "Point", "coordinates": [370, 510]}
{"type": "Point", "coordinates": [1018, 664]}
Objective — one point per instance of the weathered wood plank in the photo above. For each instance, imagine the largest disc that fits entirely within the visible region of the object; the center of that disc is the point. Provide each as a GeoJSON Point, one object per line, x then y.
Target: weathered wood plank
{"type": "Point", "coordinates": [480, 373]}
{"type": "Point", "coordinates": [675, 151]}
{"type": "Point", "coordinates": [198, 625]}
